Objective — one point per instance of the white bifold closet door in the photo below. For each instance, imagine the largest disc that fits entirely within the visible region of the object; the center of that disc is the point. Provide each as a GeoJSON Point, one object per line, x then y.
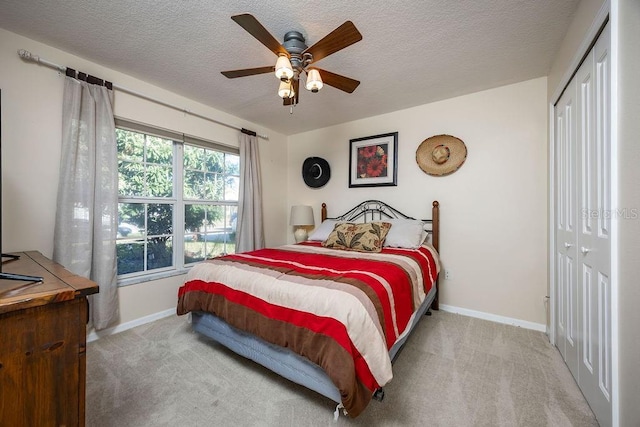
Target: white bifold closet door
{"type": "Point", "coordinates": [583, 226]}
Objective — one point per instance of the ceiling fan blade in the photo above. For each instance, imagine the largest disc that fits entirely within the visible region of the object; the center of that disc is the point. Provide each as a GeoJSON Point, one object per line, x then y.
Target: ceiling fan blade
{"type": "Point", "coordinates": [294, 100]}
{"type": "Point", "coordinates": [339, 82]}
{"type": "Point", "coordinates": [248, 72]}
{"type": "Point", "coordinates": [255, 28]}
{"type": "Point", "coordinates": [343, 36]}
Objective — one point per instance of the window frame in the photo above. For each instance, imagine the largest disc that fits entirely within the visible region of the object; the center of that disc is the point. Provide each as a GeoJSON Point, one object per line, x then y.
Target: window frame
{"type": "Point", "coordinates": [177, 200]}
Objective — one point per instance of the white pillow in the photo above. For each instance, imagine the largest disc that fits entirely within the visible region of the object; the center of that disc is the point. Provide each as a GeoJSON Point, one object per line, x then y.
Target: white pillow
{"type": "Point", "coordinates": [405, 233]}
{"type": "Point", "coordinates": [321, 233]}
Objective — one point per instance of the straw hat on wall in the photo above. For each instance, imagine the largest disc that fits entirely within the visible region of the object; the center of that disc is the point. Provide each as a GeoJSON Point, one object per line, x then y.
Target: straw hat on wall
{"type": "Point", "coordinates": [441, 155]}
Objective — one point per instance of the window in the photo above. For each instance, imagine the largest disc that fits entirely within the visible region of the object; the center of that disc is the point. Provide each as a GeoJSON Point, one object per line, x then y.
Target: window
{"type": "Point", "coordinates": [178, 201]}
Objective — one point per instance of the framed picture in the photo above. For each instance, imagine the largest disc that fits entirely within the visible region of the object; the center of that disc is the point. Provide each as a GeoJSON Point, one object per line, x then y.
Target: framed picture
{"type": "Point", "coordinates": [373, 160]}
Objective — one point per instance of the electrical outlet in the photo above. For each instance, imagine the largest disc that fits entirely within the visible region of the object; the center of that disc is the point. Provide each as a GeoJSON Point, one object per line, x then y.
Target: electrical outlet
{"type": "Point", "coordinates": [447, 274]}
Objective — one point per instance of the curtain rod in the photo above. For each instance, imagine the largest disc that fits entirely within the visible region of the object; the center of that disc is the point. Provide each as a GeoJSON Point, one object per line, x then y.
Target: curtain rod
{"type": "Point", "coordinates": [28, 56]}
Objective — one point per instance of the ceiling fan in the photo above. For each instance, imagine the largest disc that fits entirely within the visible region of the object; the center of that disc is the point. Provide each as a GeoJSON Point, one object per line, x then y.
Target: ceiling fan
{"type": "Point", "coordinates": [296, 58]}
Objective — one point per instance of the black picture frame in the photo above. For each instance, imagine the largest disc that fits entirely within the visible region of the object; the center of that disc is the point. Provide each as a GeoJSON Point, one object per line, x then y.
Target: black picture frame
{"type": "Point", "coordinates": [373, 161]}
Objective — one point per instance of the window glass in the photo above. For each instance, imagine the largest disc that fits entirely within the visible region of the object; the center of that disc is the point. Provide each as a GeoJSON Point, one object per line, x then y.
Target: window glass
{"type": "Point", "coordinates": [162, 182]}
{"type": "Point", "coordinates": [210, 231]}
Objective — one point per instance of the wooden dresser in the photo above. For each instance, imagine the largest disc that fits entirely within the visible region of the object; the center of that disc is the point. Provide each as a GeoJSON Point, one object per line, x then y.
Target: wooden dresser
{"type": "Point", "coordinates": [43, 344]}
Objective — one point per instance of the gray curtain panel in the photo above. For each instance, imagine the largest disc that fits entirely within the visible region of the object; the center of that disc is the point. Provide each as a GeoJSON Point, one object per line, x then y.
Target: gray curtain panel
{"type": "Point", "coordinates": [87, 204]}
{"type": "Point", "coordinates": [250, 230]}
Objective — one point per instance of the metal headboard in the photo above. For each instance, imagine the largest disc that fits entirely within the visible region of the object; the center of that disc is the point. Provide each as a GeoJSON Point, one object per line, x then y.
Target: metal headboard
{"type": "Point", "coordinates": [376, 210]}
{"type": "Point", "coordinates": [371, 210]}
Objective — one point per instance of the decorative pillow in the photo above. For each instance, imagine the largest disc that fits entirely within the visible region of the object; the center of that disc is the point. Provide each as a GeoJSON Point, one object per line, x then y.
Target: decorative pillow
{"type": "Point", "coordinates": [321, 233]}
{"type": "Point", "coordinates": [365, 237]}
{"type": "Point", "coordinates": [405, 233]}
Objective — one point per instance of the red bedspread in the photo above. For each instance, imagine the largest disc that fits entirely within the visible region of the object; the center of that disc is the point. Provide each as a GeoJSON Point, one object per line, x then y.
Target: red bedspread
{"type": "Point", "coordinates": [342, 310]}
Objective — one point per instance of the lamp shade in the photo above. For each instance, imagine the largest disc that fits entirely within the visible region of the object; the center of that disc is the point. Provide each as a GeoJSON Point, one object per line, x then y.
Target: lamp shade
{"type": "Point", "coordinates": [301, 215]}
{"type": "Point", "coordinates": [284, 70]}
{"type": "Point", "coordinates": [286, 90]}
{"type": "Point", "coordinates": [314, 82]}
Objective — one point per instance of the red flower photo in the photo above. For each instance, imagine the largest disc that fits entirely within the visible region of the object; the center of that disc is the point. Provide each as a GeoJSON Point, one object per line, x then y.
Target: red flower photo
{"type": "Point", "coordinates": [372, 161]}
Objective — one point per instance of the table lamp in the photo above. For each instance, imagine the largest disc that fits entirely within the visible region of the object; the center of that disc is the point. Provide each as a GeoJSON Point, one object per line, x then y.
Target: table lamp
{"type": "Point", "coordinates": [301, 217]}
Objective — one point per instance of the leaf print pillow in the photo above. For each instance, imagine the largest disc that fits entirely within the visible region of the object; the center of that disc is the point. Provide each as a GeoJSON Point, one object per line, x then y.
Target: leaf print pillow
{"type": "Point", "coordinates": [365, 237]}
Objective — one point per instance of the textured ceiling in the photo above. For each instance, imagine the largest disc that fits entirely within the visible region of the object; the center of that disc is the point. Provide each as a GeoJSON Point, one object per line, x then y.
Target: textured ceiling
{"type": "Point", "coordinates": [412, 52]}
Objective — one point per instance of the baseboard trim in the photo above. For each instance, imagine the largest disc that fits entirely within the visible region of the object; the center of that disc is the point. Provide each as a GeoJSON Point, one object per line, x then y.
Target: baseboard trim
{"type": "Point", "coordinates": [494, 318]}
{"type": "Point", "coordinates": [94, 335]}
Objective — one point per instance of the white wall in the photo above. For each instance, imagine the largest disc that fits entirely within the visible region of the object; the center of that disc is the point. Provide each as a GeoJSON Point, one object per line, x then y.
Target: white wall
{"type": "Point", "coordinates": [628, 35]}
{"type": "Point", "coordinates": [493, 209]}
{"type": "Point", "coordinates": [31, 129]}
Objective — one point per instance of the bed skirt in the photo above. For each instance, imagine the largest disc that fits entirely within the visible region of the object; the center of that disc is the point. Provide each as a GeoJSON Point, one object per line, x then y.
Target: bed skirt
{"type": "Point", "coordinates": [281, 360]}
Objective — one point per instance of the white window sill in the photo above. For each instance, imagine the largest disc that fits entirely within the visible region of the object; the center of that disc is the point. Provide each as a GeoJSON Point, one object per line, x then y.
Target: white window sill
{"type": "Point", "coordinates": [151, 276]}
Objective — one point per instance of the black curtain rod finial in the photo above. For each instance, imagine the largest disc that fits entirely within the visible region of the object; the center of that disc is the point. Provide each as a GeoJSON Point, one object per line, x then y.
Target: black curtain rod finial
{"type": "Point", "coordinates": [248, 132]}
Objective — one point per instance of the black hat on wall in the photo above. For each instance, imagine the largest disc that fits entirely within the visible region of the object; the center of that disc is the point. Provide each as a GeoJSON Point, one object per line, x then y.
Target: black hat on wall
{"type": "Point", "coordinates": [315, 172]}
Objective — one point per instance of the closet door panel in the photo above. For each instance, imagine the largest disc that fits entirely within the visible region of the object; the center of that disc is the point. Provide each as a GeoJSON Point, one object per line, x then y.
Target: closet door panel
{"type": "Point", "coordinates": [583, 215]}
{"type": "Point", "coordinates": [566, 253]}
{"type": "Point", "coordinates": [593, 228]}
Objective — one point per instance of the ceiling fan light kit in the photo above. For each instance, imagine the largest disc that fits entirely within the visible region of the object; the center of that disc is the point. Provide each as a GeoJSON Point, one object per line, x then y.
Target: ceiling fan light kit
{"type": "Point", "coordinates": [295, 57]}
{"type": "Point", "coordinates": [314, 81]}
{"type": "Point", "coordinates": [286, 89]}
{"type": "Point", "coordinates": [284, 70]}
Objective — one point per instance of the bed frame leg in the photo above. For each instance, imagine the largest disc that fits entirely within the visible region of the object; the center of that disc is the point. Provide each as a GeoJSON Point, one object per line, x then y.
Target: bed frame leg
{"type": "Point", "coordinates": [379, 394]}
{"type": "Point", "coordinates": [428, 313]}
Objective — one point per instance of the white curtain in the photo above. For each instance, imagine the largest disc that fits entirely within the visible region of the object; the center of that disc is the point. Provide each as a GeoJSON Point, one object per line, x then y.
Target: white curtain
{"type": "Point", "coordinates": [87, 205]}
{"type": "Point", "coordinates": [250, 230]}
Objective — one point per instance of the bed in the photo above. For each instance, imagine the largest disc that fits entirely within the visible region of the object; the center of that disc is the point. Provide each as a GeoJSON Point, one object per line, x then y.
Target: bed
{"type": "Point", "coordinates": [327, 316]}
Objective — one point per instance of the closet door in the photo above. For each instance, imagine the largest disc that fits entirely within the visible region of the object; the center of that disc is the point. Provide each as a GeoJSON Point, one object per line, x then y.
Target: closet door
{"type": "Point", "coordinates": [582, 228]}
{"type": "Point", "coordinates": [566, 236]}
{"type": "Point", "coordinates": [594, 226]}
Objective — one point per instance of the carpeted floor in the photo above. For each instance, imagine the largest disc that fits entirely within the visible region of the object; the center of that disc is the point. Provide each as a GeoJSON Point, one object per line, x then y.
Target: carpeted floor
{"type": "Point", "coordinates": [453, 371]}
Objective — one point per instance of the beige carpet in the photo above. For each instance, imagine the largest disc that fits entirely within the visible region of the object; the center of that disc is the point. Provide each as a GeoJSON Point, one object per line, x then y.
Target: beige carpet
{"type": "Point", "coordinates": [453, 371]}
